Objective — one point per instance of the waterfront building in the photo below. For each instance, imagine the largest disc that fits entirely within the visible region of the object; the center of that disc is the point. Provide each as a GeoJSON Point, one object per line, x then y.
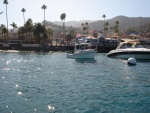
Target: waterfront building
{"type": "Point", "coordinates": [93, 33]}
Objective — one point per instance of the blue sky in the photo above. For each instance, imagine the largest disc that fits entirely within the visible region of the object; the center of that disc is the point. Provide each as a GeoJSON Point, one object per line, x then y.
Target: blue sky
{"type": "Point", "coordinates": [74, 9]}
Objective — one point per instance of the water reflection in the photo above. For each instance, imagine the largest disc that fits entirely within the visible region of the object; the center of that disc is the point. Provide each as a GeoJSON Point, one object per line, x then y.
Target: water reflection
{"type": "Point", "coordinates": [50, 107]}
{"type": "Point", "coordinates": [85, 60]}
{"type": "Point", "coordinates": [8, 62]}
{"type": "Point", "coordinates": [19, 93]}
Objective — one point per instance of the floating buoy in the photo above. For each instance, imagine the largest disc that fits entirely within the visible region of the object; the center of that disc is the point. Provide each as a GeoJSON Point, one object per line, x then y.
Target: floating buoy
{"type": "Point", "coordinates": [132, 61]}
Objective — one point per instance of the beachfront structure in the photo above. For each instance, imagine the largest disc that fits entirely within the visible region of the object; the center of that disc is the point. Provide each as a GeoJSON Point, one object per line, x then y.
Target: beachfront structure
{"type": "Point", "coordinates": [93, 33]}
{"type": "Point", "coordinates": [12, 34]}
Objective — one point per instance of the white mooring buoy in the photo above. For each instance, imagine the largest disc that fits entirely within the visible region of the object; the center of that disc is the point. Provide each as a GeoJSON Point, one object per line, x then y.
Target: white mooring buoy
{"type": "Point", "coordinates": [132, 61]}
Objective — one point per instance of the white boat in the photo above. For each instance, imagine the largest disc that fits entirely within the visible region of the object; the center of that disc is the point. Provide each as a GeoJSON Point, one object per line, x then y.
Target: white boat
{"type": "Point", "coordinates": [82, 51]}
{"type": "Point", "coordinates": [130, 49]}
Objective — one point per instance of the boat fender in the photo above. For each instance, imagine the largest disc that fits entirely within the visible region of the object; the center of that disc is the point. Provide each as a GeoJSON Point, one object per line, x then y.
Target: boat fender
{"type": "Point", "coordinates": [132, 61]}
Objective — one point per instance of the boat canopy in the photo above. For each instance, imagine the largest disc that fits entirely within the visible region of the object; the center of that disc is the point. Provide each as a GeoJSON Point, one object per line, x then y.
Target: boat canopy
{"type": "Point", "coordinates": [128, 40]}
{"type": "Point", "coordinates": [129, 44]}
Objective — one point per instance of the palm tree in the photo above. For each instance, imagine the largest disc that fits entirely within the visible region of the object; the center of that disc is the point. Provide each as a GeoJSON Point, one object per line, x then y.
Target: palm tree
{"type": "Point", "coordinates": [1, 29]}
{"type": "Point", "coordinates": [21, 32]}
{"type": "Point", "coordinates": [14, 26]}
{"type": "Point", "coordinates": [71, 34]}
{"type": "Point", "coordinates": [117, 23]}
{"type": "Point", "coordinates": [4, 31]}
{"type": "Point", "coordinates": [85, 27]}
{"type": "Point", "coordinates": [106, 26]}
{"type": "Point", "coordinates": [44, 7]}
{"type": "Point", "coordinates": [117, 27]}
{"type": "Point", "coordinates": [86, 23]}
{"type": "Point", "coordinates": [23, 10]}
{"type": "Point", "coordinates": [104, 16]}
{"type": "Point", "coordinates": [82, 24]}
{"type": "Point", "coordinates": [29, 28]}
{"type": "Point", "coordinates": [112, 28]}
{"type": "Point", "coordinates": [50, 33]}
{"type": "Point", "coordinates": [62, 17]}
{"type": "Point", "coordinates": [39, 32]}
{"type": "Point", "coordinates": [6, 2]}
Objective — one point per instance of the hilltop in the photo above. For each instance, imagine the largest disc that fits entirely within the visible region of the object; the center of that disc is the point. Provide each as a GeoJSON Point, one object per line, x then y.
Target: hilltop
{"type": "Point", "coordinates": [124, 22]}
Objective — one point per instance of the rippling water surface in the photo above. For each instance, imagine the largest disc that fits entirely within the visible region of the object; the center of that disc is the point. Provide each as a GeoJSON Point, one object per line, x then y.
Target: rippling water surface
{"type": "Point", "coordinates": [51, 83]}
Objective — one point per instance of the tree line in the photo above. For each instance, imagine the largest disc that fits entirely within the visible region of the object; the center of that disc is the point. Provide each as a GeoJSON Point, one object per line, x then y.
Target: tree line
{"type": "Point", "coordinates": [30, 32]}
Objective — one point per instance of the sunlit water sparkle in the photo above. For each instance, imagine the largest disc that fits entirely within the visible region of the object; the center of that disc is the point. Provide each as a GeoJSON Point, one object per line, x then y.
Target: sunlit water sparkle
{"type": "Point", "coordinates": [51, 83]}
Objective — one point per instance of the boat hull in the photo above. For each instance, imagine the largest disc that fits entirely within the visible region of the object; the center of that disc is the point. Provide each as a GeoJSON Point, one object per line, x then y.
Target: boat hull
{"type": "Point", "coordinates": [141, 55]}
{"type": "Point", "coordinates": [88, 54]}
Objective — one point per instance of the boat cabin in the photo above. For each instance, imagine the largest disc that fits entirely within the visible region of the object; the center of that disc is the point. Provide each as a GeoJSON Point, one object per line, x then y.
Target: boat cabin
{"type": "Point", "coordinates": [130, 44]}
{"type": "Point", "coordinates": [83, 46]}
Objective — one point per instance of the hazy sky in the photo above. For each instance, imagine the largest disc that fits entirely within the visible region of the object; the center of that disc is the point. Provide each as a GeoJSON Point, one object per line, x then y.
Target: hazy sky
{"type": "Point", "coordinates": [74, 9]}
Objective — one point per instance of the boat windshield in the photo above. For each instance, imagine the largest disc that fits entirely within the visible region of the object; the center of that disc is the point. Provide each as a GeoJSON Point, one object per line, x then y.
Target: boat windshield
{"type": "Point", "coordinates": [128, 45]}
{"type": "Point", "coordinates": [82, 46]}
{"type": "Point", "coordinates": [138, 46]}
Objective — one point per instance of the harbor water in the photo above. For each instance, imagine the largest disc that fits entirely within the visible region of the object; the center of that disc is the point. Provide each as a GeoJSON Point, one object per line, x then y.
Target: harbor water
{"type": "Point", "coordinates": [51, 83]}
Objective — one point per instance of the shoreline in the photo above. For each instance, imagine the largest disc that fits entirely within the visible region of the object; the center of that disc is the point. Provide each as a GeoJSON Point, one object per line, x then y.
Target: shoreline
{"type": "Point", "coordinates": [15, 48]}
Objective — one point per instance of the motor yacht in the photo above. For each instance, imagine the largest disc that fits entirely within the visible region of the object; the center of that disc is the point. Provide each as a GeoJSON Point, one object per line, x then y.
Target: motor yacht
{"type": "Point", "coordinates": [130, 49]}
